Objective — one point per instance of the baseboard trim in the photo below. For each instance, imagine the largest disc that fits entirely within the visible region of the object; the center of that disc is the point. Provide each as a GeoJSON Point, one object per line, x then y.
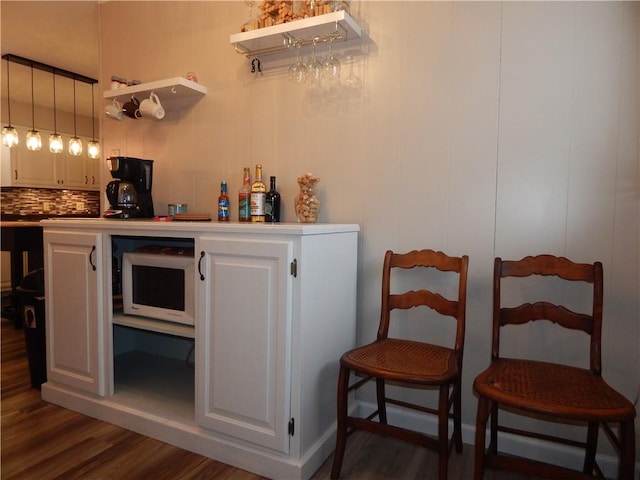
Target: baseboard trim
{"type": "Point", "coordinates": [540, 450]}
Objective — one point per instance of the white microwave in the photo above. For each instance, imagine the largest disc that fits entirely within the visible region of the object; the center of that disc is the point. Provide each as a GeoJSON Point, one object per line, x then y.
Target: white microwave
{"type": "Point", "coordinates": [158, 283]}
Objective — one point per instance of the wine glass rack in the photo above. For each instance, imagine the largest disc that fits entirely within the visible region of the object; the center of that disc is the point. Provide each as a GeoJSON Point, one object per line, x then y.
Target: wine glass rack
{"type": "Point", "coordinates": [334, 26]}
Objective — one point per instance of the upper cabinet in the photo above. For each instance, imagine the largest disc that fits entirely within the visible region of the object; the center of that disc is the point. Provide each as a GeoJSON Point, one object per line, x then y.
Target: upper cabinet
{"type": "Point", "coordinates": [25, 168]}
{"type": "Point", "coordinates": [334, 26]}
{"type": "Point", "coordinates": [168, 89]}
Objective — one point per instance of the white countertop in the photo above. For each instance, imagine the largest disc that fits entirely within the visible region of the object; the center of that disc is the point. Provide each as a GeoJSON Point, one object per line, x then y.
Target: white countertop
{"type": "Point", "coordinates": [120, 225]}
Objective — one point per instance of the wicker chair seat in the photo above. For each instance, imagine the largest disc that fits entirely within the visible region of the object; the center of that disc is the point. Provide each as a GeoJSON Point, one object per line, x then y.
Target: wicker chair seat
{"type": "Point", "coordinates": [411, 361]}
{"type": "Point", "coordinates": [553, 389]}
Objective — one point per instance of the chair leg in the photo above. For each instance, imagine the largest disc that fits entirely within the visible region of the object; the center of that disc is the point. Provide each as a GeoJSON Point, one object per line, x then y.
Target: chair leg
{"type": "Point", "coordinates": [592, 447]}
{"type": "Point", "coordinates": [341, 414]}
{"type": "Point", "coordinates": [443, 432]}
{"type": "Point", "coordinates": [484, 409]}
{"type": "Point", "coordinates": [382, 404]}
{"type": "Point", "coordinates": [457, 415]}
{"type": "Point", "coordinates": [627, 450]}
{"type": "Point", "coordinates": [493, 445]}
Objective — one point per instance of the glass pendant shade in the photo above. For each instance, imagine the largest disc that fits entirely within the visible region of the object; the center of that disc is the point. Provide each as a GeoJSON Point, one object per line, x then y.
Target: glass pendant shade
{"type": "Point", "coordinates": [93, 149]}
{"type": "Point", "coordinates": [34, 140]}
{"type": "Point", "coordinates": [55, 143]}
{"type": "Point", "coordinates": [9, 136]}
{"type": "Point", "coordinates": [75, 146]}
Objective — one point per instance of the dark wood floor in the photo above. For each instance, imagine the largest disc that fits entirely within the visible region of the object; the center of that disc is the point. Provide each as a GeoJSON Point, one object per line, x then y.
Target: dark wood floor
{"type": "Point", "coordinates": [43, 441]}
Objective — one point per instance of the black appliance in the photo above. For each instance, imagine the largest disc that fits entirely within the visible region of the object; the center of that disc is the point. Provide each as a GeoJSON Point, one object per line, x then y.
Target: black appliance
{"type": "Point", "coordinates": [130, 194]}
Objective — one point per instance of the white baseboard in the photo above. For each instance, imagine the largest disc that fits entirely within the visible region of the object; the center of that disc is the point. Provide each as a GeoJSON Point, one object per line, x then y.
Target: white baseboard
{"type": "Point", "coordinates": [540, 450]}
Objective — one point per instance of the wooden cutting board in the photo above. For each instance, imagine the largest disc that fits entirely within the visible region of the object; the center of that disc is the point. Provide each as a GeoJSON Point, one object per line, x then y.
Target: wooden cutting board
{"type": "Point", "coordinates": [192, 217]}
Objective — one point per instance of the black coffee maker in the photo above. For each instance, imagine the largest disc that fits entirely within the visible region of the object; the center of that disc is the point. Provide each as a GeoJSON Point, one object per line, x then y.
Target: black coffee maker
{"type": "Point", "coordinates": [130, 195]}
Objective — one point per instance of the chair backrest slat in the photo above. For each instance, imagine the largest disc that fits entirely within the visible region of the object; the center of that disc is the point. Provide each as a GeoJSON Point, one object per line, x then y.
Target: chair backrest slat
{"type": "Point", "coordinates": [424, 298]}
{"type": "Point", "coordinates": [546, 311]}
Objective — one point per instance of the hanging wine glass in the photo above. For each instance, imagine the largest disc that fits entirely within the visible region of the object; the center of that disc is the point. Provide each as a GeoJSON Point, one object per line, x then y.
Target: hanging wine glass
{"type": "Point", "coordinates": [314, 69]}
{"type": "Point", "coordinates": [352, 84]}
{"type": "Point", "coordinates": [298, 70]}
{"type": "Point", "coordinates": [331, 65]}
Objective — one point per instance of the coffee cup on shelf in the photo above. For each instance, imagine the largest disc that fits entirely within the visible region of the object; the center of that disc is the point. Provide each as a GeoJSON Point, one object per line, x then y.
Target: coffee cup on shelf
{"type": "Point", "coordinates": [114, 110]}
{"type": "Point", "coordinates": [132, 108]}
{"type": "Point", "coordinates": [152, 108]}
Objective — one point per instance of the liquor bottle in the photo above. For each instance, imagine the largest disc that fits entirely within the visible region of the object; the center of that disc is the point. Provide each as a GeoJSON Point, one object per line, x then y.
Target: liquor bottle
{"type": "Point", "coordinates": [244, 198]}
{"type": "Point", "coordinates": [223, 203]}
{"type": "Point", "coordinates": [258, 195]}
{"type": "Point", "coordinates": [272, 205]}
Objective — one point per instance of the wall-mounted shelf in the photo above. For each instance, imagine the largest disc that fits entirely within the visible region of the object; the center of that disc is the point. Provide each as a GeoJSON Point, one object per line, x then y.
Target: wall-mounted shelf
{"type": "Point", "coordinates": [336, 25]}
{"type": "Point", "coordinates": [165, 89]}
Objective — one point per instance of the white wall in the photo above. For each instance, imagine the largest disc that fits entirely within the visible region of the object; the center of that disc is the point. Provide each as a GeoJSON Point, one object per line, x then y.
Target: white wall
{"type": "Point", "coordinates": [487, 129]}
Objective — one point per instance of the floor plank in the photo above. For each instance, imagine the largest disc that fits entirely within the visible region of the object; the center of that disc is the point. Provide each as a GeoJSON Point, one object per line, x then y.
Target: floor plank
{"type": "Point", "coordinates": [43, 441]}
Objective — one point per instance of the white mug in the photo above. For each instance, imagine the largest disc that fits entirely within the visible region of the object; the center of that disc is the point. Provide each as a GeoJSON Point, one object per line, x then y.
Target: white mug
{"type": "Point", "coordinates": [152, 108]}
{"type": "Point", "coordinates": [114, 110]}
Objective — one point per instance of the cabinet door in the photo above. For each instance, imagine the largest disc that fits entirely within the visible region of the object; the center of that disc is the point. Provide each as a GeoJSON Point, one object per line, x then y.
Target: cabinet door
{"type": "Point", "coordinates": [244, 339]}
{"type": "Point", "coordinates": [71, 170]}
{"type": "Point", "coordinates": [73, 315]}
{"type": "Point", "coordinates": [92, 174]}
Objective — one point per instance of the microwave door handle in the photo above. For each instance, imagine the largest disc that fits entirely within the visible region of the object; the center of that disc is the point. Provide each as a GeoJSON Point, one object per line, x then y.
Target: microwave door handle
{"type": "Point", "coordinates": [199, 264]}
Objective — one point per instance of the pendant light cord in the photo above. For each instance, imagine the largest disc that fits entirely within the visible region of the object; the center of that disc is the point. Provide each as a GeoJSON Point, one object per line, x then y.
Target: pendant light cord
{"type": "Point", "coordinates": [8, 93]}
{"type": "Point", "coordinates": [93, 116]}
{"type": "Point", "coordinates": [75, 133]}
{"type": "Point", "coordinates": [55, 127]}
{"type": "Point", "coordinates": [33, 107]}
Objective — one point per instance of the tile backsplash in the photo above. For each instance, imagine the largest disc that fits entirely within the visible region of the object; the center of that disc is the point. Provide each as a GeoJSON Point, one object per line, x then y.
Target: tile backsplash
{"type": "Point", "coordinates": [46, 201]}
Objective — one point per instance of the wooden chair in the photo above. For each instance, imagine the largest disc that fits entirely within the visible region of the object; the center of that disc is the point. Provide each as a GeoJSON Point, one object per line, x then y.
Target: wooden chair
{"type": "Point", "coordinates": [409, 363]}
{"type": "Point", "coordinates": [550, 391]}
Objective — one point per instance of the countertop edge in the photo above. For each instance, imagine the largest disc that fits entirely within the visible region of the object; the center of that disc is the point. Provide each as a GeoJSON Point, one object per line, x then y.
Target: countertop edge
{"type": "Point", "coordinates": [199, 226]}
{"type": "Point", "coordinates": [20, 223]}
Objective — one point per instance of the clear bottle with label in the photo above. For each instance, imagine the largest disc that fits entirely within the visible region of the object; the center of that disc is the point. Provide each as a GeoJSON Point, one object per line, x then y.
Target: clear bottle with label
{"type": "Point", "coordinates": [244, 197]}
{"type": "Point", "coordinates": [272, 205]}
{"type": "Point", "coordinates": [223, 203]}
{"type": "Point", "coordinates": [258, 196]}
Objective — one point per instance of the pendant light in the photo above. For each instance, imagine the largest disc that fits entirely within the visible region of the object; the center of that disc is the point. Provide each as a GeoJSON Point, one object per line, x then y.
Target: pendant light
{"type": "Point", "coordinates": [9, 134]}
{"type": "Point", "coordinates": [75, 144]}
{"type": "Point", "coordinates": [55, 139]}
{"type": "Point", "coordinates": [34, 141]}
{"type": "Point", "coordinates": [93, 147]}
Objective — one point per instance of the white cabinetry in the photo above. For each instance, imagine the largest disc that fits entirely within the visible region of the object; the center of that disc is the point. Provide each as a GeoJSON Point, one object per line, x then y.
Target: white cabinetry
{"type": "Point", "coordinates": [25, 168]}
{"type": "Point", "coordinates": [74, 269]}
{"type": "Point", "coordinates": [274, 310]}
